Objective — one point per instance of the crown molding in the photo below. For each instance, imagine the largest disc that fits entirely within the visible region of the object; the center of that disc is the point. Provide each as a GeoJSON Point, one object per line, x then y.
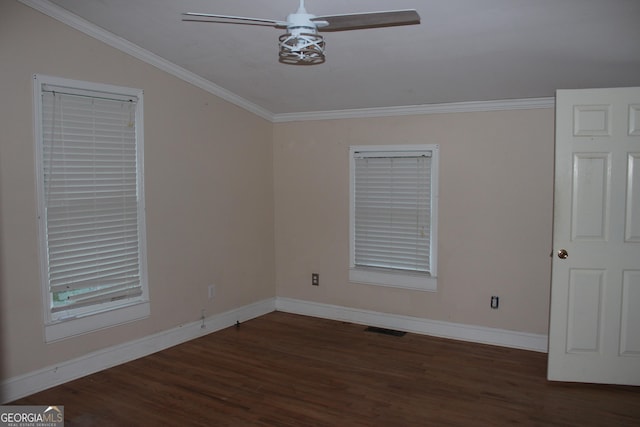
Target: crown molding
{"type": "Point", "coordinates": [92, 30]}
{"type": "Point", "coordinates": [453, 107]}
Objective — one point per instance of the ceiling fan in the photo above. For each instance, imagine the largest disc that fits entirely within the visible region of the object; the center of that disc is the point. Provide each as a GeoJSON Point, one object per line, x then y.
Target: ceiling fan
{"type": "Point", "coordinates": [302, 45]}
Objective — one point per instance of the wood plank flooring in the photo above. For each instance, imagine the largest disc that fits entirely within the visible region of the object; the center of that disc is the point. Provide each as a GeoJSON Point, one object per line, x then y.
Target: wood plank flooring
{"type": "Point", "coordinates": [287, 370]}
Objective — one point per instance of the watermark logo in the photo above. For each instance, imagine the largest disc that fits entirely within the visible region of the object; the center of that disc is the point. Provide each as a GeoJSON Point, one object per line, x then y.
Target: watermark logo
{"type": "Point", "coordinates": [31, 416]}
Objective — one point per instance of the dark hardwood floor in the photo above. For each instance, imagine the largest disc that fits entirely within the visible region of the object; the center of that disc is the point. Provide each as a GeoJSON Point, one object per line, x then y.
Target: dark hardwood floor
{"type": "Point", "coordinates": [288, 370]}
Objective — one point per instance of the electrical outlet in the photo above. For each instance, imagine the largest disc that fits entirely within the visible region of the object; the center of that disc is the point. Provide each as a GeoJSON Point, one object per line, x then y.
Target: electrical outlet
{"type": "Point", "coordinates": [315, 279]}
{"type": "Point", "coordinates": [495, 302]}
{"type": "Point", "coordinates": [212, 291]}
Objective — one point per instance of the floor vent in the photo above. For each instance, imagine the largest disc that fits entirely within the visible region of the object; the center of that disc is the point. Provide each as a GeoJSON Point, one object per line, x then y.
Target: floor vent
{"type": "Point", "coordinates": [385, 331]}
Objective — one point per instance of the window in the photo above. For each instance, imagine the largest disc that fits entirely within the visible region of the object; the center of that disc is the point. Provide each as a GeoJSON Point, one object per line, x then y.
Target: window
{"type": "Point", "coordinates": [393, 224]}
{"type": "Point", "coordinates": [91, 207]}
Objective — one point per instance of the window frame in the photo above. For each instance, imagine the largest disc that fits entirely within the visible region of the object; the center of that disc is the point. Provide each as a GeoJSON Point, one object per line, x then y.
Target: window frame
{"type": "Point", "coordinates": [394, 277]}
{"type": "Point", "coordinates": [67, 323]}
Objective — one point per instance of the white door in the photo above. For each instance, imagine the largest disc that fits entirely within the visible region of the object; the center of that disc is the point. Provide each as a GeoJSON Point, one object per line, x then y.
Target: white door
{"type": "Point", "coordinates": [594, 333]}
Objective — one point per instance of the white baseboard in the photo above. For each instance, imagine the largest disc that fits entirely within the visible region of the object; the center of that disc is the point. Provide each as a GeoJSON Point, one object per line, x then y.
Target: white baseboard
{"type": "Point", "coordinates": [33, 382]}
{"type": "Point", "coordinates": [458, 331]}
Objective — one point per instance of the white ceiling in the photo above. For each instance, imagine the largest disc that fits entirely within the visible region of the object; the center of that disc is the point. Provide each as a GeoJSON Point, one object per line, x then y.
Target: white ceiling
{"type": "Point", "coordinates": [464, 50]}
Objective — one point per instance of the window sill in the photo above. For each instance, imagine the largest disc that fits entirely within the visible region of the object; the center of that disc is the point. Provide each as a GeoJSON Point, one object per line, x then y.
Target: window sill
{"type": "Point", "coordinates": [70, 327]}
{"type": "Point", "coordinates": [395, 279]}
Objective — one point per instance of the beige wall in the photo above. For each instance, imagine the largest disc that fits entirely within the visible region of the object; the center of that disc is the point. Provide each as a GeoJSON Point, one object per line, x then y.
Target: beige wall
{"type": "Point", "coordinates": [209, 192]}
{"type": "Point", "coordinates": [495, 215]}
{"type": "Point", "coordinates": [215, 176]}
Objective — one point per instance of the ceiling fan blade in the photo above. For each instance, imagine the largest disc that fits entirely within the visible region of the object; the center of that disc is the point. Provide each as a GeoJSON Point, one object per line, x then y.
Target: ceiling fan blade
{"type": "Point", "coordinates": [210, 17]}
{"type": "Point", "coordinates": [357, 21]}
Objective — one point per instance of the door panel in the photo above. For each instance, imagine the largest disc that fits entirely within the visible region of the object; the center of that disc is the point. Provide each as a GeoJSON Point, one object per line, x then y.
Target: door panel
{"type": "Point", "coordinates": [630, 319]}
{"type": "Point", "coordinates": [594, 333]}
{"type": "Point", "coordinates": [585, 308]}
{"type": "Point", "coordinates": [632, 226]}
{"type": "Point", "coordinates": [591, 120]}
{"type": "Point", "coordinates": [590, 196]}
{"type": "Point", "coordinates": [634, 119]}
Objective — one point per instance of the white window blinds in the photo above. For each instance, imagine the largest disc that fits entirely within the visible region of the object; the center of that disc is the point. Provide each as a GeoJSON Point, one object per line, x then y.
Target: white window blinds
{"type": "Point", "coordinates": [392, 210]}
{"type": "Point", "coordinates": [91, 198]}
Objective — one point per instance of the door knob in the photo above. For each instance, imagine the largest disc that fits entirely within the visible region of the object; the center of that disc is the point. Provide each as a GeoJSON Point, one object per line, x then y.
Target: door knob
{"type": "Point", "coordinates": [563, 254]}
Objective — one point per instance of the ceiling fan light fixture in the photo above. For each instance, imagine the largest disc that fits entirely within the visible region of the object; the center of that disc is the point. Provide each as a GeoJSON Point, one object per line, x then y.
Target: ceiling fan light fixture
{"type": "Point", "coordinates": [302, 45]}
{"type": "Point", "coordinates": [301, 49]}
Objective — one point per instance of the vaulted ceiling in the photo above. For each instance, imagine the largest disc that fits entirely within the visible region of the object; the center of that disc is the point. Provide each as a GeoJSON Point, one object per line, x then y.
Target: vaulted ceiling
{"type": "Point", "coordinates": [463, 50]}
